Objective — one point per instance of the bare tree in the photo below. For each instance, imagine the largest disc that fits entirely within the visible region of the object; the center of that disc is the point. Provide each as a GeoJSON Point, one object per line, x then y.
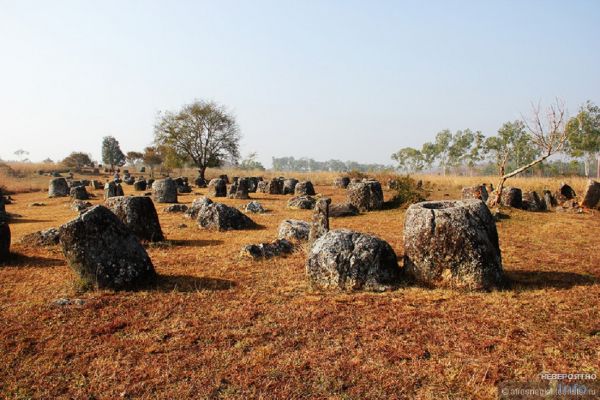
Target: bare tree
{"type": "Point", "coordinates": [547, 132]}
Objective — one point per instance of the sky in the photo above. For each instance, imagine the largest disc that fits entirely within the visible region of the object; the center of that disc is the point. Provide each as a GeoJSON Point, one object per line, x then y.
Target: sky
{"type": "Point", "coordinates": [348, 80]}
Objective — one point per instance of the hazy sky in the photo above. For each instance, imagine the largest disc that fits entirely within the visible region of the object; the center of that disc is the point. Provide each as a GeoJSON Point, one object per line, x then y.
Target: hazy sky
{"type": "Point", "coordinates": [322, 79]}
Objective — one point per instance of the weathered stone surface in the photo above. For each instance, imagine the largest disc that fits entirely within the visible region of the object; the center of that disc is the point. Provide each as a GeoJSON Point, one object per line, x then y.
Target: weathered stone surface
{"type": "Point", "coordinates": [112, 189]}
{"type": "Point", "coordinates": [289, 185]}
{"type": "Point", "coordinates": [47, 237]}
{"type": "Point", "coordinates": [512, 197]}
{"type": "Point", "coordinates": [341, 182]}
{"type": "Point", "coordinates": [58, 187]}
{"type": "Point", "coordinates": [293, 229]}
{"type": "Point", "coordinates": [342, 210]}
{"type": "Point", "coordinates": [218, 216]}
{"type": "Point", "coordinates": [475, 192]}
{"type": "Point", "coordinates": [304, 188]}
{"type": "Point", "coordinates": [365, 196]}
{"type": "Point", "coordinates": [302, 203]}
{"type": "Point", "coordinates": [104, 252]}
{"type": "Point", "coordinates": [533, 202]}
{"type": "Point", "coordinates": [262, 187]}
{"type": "Point", "coordinates": [320, 219]}
{"type": "Point", "coordinates": [80, 205]}
{"type": "Point", "coordinates": [252, 184]}
{"type": "Point", "coordinates": [549, 200]}
{"type": "Point", "coordinates": [139, 215]}
{"type": "Point", "coordinates": [255, 207]}
{"type": "Point", "coordinates": [183, 185]}
{"type": "Point", "coordinates": [200, 182]}
{"type": "Point", "coordinates": [274, 186]}
{"type": "Point", "coordinates": [197, 204]}
{"type": "Point", "coordinates": [267, 250]}
{"type": "Point", "coordinates": [225, 178]}
{"type": "Point", "coordinates": [565, 192]}
{"type": "Point", "coordinates": [4, 240]}
{"type": "Point", "coordinates": [176, 208]}
{"type": "Point", "coordinates": [591, 195]}
{"type": "Point", "coordinates": [217, 188]}
{"type": "Point", "coordinates": [79, 193]}
{"type": "Point", "coordinates": [96, 185]}
{"type": "Point", "coordinates": [239, 189]}
{"type": "Point", "coordinates": [75, 183]}
{"type": "Point", "coordinates": [140, 185]}
{"type": "Point", "coordinates": [164, 191]}
{"type": "Point", "coordinates": [347, 260]}
{"type": "Point", "coordinates": [452, 244]}
{"type": "Point", "coordinates": [149, 183]}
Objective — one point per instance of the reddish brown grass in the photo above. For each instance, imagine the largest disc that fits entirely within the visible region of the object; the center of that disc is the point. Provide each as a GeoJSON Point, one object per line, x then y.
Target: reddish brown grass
{"type": "Point", "coordinates": [217, 326]}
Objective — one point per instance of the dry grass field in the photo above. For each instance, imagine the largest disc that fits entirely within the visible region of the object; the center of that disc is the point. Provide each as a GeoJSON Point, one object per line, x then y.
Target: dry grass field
{"type": "Point", "coordinates": [217, 326]}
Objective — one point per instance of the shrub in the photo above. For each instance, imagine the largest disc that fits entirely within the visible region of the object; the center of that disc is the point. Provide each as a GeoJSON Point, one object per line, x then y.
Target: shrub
{"type": "Point", "coordinates": [406, 192]}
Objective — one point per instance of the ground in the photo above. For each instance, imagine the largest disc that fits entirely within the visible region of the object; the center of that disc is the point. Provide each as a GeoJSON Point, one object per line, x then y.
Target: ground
{"type": "Point", "coordinates": [217, 326]}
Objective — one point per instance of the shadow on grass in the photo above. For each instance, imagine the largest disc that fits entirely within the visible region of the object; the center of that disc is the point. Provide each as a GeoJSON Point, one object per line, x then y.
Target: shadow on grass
{"type": "Point", "coordinates": [21, 260]}
{"type": "Point", "coordinates": [533, 280]}
{"type": "Point", "coordinates": [187, 283]}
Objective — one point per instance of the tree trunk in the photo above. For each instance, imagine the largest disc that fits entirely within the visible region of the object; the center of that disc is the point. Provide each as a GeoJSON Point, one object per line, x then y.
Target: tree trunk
{"type": "Point", "coordinates": [202, 172]}
{"type": "Point", "coordinates": [586, 167]}
{"type": "Point", "coordinates": [598, 167]}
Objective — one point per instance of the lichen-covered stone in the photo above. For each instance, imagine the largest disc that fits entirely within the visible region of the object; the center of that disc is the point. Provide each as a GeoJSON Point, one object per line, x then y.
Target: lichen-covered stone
{"type": "Point", "coordinates": [320, 219]}
{"type": "Point", "coordinates": [200, 182]}
{"type": "Point", "coordinates": [342, 210]}
{"type": "Point", "coordinates": [218, 216]}
{"type": "Point", "coordinates": [4, 240]}
{"type": "Point", "coordinates": [79, 193]}
{"type": "Point", "coordinates": [341, 182]}
{"type": "Point", "coordinates": [176, 208]}
{"type": "Point", "coordinates": [239, 189]}
{"type": "Point", "coordinates": [302, 203]}
{"type": "Point", "coordinates": [289, 185]}
{"type": "Point", "coordinates": [80, 205]}
{"type": "Point", "coordinates": [294, 229]}
{"type": "Point", "coordinates": [452, 244]}
{"type": "Point", "coordinates": [365, 196]}
{"type": "Point", "coordinates": [139, 215]}
{"type": "Point", "coordinates": [512, 197]}
{"type": "Point", "coordinates": [549, 200]}
{"type": "Point", "coordinates": [475, 192]}
{"type": "Point", "coordinates": [255, 207]}
{"type": "Point", "coordinates": [112, 189]}
{"type": "Point", "coordinates": [140, 185]}
{"type": "Point", "coordinates": [217, 188]}
{"type": "Point", "coordinates": [347, 260]}
{"type": "Point", "coordinates": [591, 195]}
{"type": "Point", "coordinates": [533, 202]}
{"type": "Point", "coordinates": [304, 188]}
{"type": "Point", "coordinates": [197, 204]}
{"type": "Point", "coordinates": [565, 192]}
{"type": "Point", "coordinates": [164, 191]}
{"type": "Point", "coordinates": [252, 184]}
{"type": "Point", "coordinates": [267, 250]}
{"type": "Point", "coordinates": [104, 252]}
{"type": "Point", "coordinates": [272, 186]}
{"type": "Point", "coordinates": [58, 187]}
{"type": "Point", "coordinates": [47, 237]}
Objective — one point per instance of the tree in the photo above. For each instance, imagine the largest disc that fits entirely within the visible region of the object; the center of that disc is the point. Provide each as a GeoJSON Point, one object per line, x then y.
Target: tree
{"type": "Point", "coordinates": [21, 154]}
{"type": "Point", "coordinates": [251, 163]}
{"type": "Point", "coordinates": [203, 133]}
{"type": "Point", "coordinates": [133, 156]}
{"type": "Point", "coordinates": [583, 131]}
{"type": "Point", "coordinates": [152, 158]}
{"type": "Point", "coordinates": [111, 152]}
{"type": "Point", "coordinates": [409, 159]}
{"type": "Point", "coordinates": [548, 136]}
{"type": "Point", "coordinates": [77, 160]}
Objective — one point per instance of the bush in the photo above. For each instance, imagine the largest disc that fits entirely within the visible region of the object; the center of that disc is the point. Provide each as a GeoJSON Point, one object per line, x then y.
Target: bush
{"type": "Point", "coordinates": [406, 192]}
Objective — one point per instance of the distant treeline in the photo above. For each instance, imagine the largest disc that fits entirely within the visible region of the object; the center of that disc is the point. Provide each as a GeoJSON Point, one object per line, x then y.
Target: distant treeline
{"type": "Point", "coordinates": [309, 165]}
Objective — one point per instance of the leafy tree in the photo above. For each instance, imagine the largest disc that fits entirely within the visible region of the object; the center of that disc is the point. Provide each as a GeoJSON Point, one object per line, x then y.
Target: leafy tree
{"type": "Point", "coordinates": [21, 154]}
{"type": "Point", "coordinates": [133, 156]}
{"type": "Point", "coordinates": [48, 161]}
{"type": "Point", "coordinates": [111, 152]}
{"type": "Point", "coordinates": [409, 159]}
{"type": "Point", "coordinates": [442, 144]}
{"type": "Point", "coordinates": [152, 158]}
{"type": "Point", "coordinates": [583, 131]}
{"type": "Point", "coordinates": [77, 160]}
{"type": "Point", "coordinates": [251, 163]}
{"type": "Point", "coordinates": [203, 133]}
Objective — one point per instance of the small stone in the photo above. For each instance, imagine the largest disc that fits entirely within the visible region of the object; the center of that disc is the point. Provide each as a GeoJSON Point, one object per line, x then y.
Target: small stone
{"type": "Point", "coordinates": [304, 188]}
{"type": "Point", "coordinates": [176, 208]}
{"type": "Point", "coordinates": [218, 216]}
{"type": "Point", "coordinates": [293, 229]}
{"type": "Point", "coordinates": [342, 210]}
{"type": "Point", "coordinates": [254, 207]}
{"type": "Point", "coordinates": [302, 203]}
{"type": "Point", "coordinates": [267, 250]}
{"type": "Point", "coordinates": [47, 237]}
